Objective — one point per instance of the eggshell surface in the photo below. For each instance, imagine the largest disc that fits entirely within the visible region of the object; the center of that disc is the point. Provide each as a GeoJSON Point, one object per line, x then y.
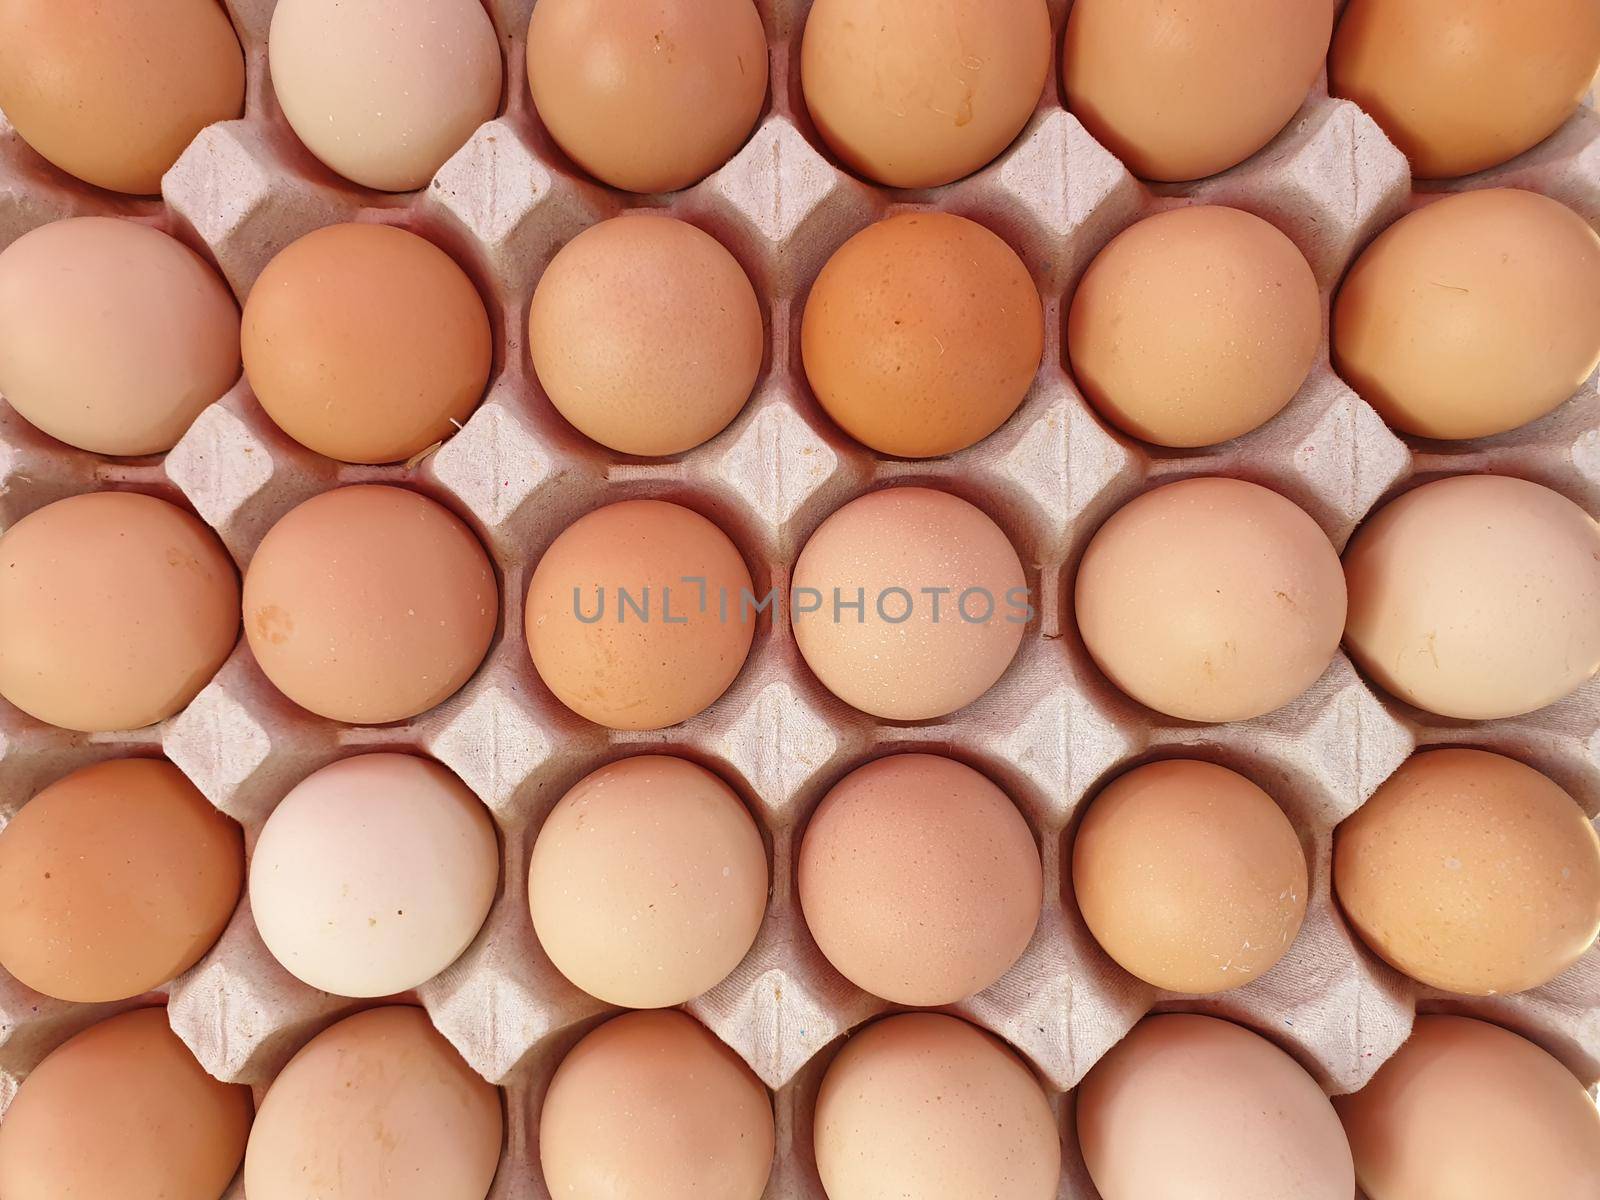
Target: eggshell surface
{"type": "Point", "coordinates": [115, 610]}
{"type": "Point", "coordinates": [651, 1106]}
{"type": "Point", "coordinates": [1476, 596]}
{"type": "Point", "coordinates": [1466, 1110]}
{"type": "Point", "coordinates": [919, 879]}
{"type": "Point", "coordinates": [648, 882]}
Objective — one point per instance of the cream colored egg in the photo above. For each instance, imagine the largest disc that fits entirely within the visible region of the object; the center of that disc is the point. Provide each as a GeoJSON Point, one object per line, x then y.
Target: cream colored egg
{"type": "Point", "coordinates": [1211, 600]}
{"type": "Point", "coordinates": [648, 882]}
{"type": "Point", "coordinates": [1234, 1117]}
{"type": "Point", "coordinates": [1476, 596]}
{"type": "Point", "coordinates": [373, 874]}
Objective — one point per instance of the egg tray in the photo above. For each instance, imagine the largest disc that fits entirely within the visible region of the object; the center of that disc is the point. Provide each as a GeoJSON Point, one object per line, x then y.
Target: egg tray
{"type": "Point", "coordinates": [1051, 732]}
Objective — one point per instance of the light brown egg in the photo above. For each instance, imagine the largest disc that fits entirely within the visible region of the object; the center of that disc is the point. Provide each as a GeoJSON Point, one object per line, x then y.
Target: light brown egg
{"type": "Point", "coordinates": [922, 334]}
{"type": "Point", "coordinates": [651, 1106]}
{"type": "Point", "coordinates": [1233, 1116]}
{"type": "Point", "coordinates": [1476, 597]}
{"type": "Point", "coordinates": [1460, 85]}
{"type": "Point", "coordinates": [1189, 876]}
{"type": "Point", "coordinates": [648, 97]}
{"type": "Point", "coordinates": [917, 95]}
{"type": "Point", "coordinates": [113, 93]}
{"type": "Point", "coordinates": [637, 616]}
{"type": "Point", "coordinates": [942, 603]}
{"type": "Point", "coordinates": [1211, 600]}
{"type": "Point", "coordinates": [1194, 326]}
{"type": "Point", "coordinates": [373, 874]}
{"type": "Point", "coordinates": [1471, 872]}
{"type": "Point", "coordinates": [1468, 1111]}
{"type": "Point", "coordinates": [1473, 315]}
{"type": "Point", "coordinates": [115, 610]}
{"type": "Point", "coordinates": [648, 882]}
{"type": "Point", "coordinates": [114, 880]}
{"type": "Point", "coordinates": [370, 604]}
{"type": "Point", "coordinates": [113, 336]}
{"type": "Point", "coordinates": [384, 91]}
{"type": "Point", "coordinates": [646, 334]}
{"type": "Point", "coordinates": [1182, 90]}
{"type": "Point", "coordinates": [366, 343]}
{"type": "Point", "coordinates": [379, 1107]}
{"type": "Point", "coordinates": [929, 1106]}
{"type": "Point", "coordinates": [919, 879]}
{"type": "Point", "coordinates": [123, 1110]}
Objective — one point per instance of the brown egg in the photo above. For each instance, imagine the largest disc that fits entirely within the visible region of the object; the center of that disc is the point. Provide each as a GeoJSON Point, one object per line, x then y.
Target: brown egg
{"type": "Point", "coordinates": [113, 336]}
{"type": "Point", "coordinates": [115, 610]}
{"type": "Point", "coordinates": [1472, 873]}
{"type": "Point", "coordinates": [1189, 876]}
{"type": "Point", "coordinates": [1195, 1107]}
{"type": "Point", "coordinates": [1476, 597]}
{"type": "Point", "coordinates": [366, 343]}
{"type": "Point", "coordinates": [648, 882]}
{"type": "Point", "coordinates": [646, 334]}
{"type": "Point", "coordinates": [1460, 85]}
{"type": "Point", "coordinates": [114, 880]}
{"type": "Point", "coordinates": [1182, 90]}
{"type": "Point", "coordinates": [1467, 1111]}
{"type": "Point", "coordinates": [370, 604]}
{"type": "Point", "coordinates": [919, 879]}
{"type": "Point", "coordinates": [379, 1107]}
{"type": "Point", "coordinates": [1473, 315]}
{"type": "Point", "coordinates": [648, 97]}
{"type": "Point", "coordinates": [922, 334]}
{"type": "Point", "coordinates": [123, 1110]}
{"type": "Point", "coordinates": [914, 96]}
{"type": "Point", "coordinates": [640, 615]}
{"type": "Point", "coordinates": [929, 1106]}
{"type": "Point", "coordinates": [1211, 600]}
{"type": "Point", "coordinates": [651, 1106]}
{"type": "Point", "coordinates": [113, 93]}
{"type": "Point", "coordinates": [1194, 326]}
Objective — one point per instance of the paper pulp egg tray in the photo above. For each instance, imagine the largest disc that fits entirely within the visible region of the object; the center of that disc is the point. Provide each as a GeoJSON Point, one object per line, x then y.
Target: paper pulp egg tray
{"type": "Point", "coordinates": [1051, 732]}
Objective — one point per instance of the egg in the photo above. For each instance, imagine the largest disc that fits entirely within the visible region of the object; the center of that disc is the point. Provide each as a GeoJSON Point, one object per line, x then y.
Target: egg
{"type": "Point", "coordinates": [646, 334]}
{"type": "Point", "coordinates": [115, 610]}
{"type": "Point", "coordinates": [123, 1110]}
{"type": "Point", "coordinates": [1460, 85]}
{"type": "Point", "coordinates": [113, 880]}
{"type": "Point", "coordinates": [1476, 597]}
{"type": "Point", "coordinates": [1471, 872]}
{"type": "Point", "coordinates": [918, 95]}
{"type": "Point", "coordinates": [113, 336]}
{"type": "Point", "coordinates": [1196, 1107]}
{"type": "Point", "coordinates": [1194, 326]}
{"type": "Point", "coordinates": [384, 91]}
{"type": "Point", "coordinates": [113, 93]}
{"type": "Point", "coordinates": [1189, 876]}
{"type": "Point", "coordinates": [373, 874]}
{"type": "Point", "coordinates": [929, 1106]}
{"type": "Point", "coordinates": [640, 614]}
{"type": "Point", "coordinates": [1180, 90]}
{"type": "Point", "coordinates": [648, 882]}
{"type": "Point", "coordinates": [1473, 315]}
{"type": "Point", "coordinates": [1468, 1111]}
{"type": "Point", "coordinates": [1211, 600]}
{"type": "Point", "coordinates": [378, 1107]}
{"type": "Point", "coordinates": [648, 97]}
{"type": "Point", "coordinates": [922, 334]}
{"type": "Point", "coordinates": [919, 879]}
{"type": "Point", "coordinates": [909, 603]}
{"type": "Point", "coordinates": [366, 343]}
{"type": "Point", "coordinates": [651, 1106]}
{"type": "Point", "coordinates": [370, 604]}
